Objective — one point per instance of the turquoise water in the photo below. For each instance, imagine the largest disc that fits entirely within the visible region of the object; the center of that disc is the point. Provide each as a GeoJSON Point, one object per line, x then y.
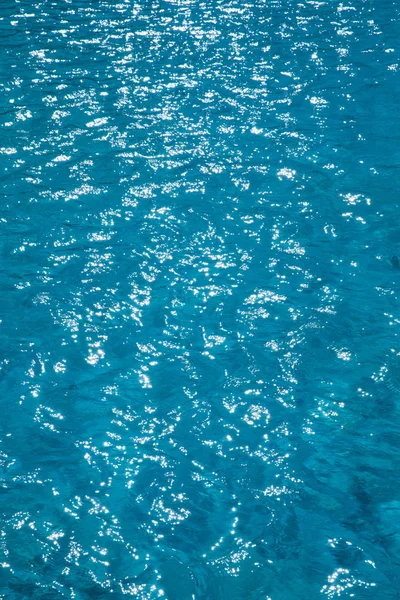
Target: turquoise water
{"type": "Point", "coordinates": [200, 300]}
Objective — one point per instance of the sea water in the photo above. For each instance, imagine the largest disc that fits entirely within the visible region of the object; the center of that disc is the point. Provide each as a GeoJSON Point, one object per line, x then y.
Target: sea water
{"type": "Point", "coordinates": [200, 358]}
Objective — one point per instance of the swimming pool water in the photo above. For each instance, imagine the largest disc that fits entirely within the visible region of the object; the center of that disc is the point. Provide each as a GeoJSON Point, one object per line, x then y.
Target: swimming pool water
{"type": "Point", "coordinates": [200, 388]}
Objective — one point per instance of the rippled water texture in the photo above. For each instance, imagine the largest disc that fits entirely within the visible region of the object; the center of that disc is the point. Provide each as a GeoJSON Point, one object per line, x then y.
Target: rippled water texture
{"type": "Point", "coordinates": [200, 311]}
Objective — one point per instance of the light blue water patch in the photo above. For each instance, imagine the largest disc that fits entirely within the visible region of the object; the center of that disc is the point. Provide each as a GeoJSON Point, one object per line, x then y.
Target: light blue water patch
{"type": "Point", "coordinates": [200, 300]}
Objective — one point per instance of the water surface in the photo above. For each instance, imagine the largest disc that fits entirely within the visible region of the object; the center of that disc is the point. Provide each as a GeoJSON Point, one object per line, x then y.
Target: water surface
{"type": "Point", "coordinates": [200, 311]}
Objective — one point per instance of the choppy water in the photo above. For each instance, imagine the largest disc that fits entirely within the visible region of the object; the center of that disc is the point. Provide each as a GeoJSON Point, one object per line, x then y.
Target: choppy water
{"type": "Point", "coordinates": [199, 317]}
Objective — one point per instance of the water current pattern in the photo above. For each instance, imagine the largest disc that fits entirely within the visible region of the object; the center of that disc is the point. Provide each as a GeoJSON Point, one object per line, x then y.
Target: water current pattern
{"type": "Point", "coordinates": [200, 358]}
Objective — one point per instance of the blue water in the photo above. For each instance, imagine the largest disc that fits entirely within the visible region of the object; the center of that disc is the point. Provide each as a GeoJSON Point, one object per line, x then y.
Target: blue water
{"type": "Point", "coordinates": [200, 358]}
